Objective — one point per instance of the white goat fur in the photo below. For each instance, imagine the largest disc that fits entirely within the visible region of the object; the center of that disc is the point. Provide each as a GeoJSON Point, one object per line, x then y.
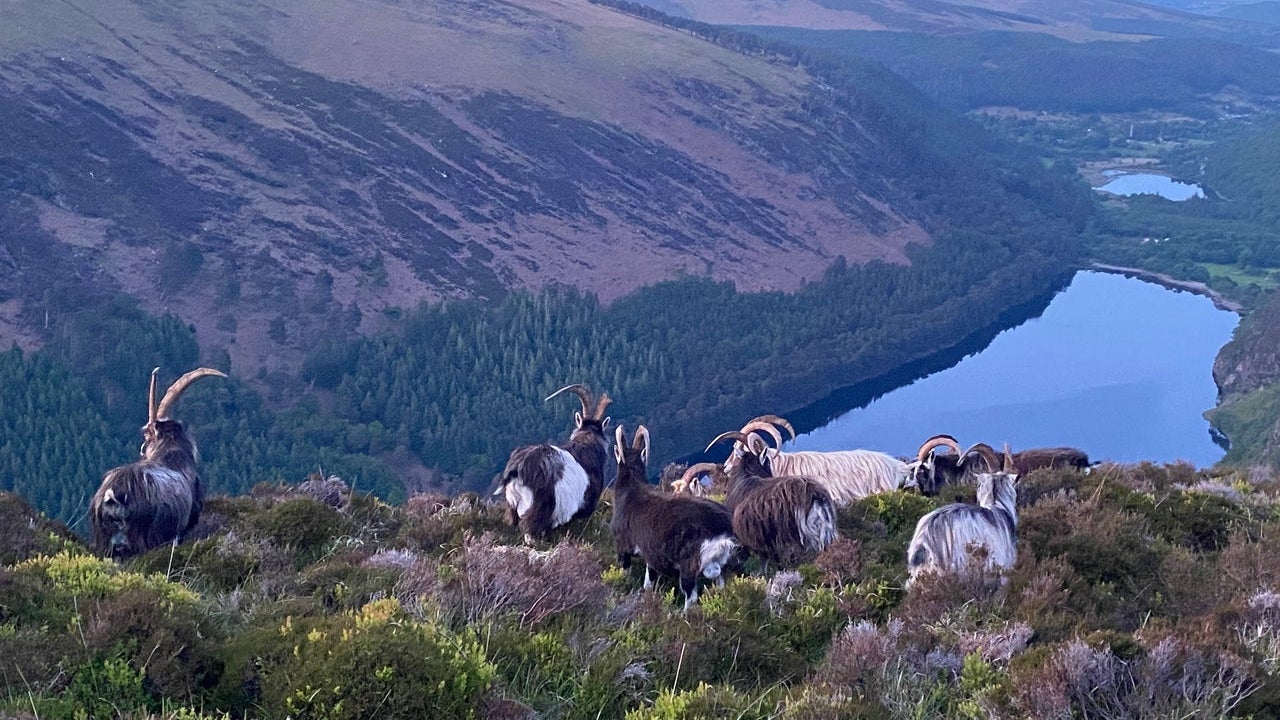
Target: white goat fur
{"type": "Point", "coordinates": [848, 475]}
{"type": "Point", "coordinates": [946, 539]}
{"type": "Point", "coordinates": [570, 489]}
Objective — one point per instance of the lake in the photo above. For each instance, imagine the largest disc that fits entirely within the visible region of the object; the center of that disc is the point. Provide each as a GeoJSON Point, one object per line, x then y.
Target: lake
{"type": "Point", "coordinates": [1149, 184]}
{"type": "Point", "coordinates": [1116, 366]}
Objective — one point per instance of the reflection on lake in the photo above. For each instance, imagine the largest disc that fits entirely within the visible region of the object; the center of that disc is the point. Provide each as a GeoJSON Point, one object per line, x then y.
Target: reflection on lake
{"type": "Point", "coordinates": [1148, 184]}
{"type": "Point", "coordinates": [1117, 366]}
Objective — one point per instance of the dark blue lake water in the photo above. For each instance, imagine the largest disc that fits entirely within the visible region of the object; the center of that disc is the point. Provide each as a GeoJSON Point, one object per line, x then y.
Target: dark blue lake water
{"type": "Point", "coordinates": [1117, 366]}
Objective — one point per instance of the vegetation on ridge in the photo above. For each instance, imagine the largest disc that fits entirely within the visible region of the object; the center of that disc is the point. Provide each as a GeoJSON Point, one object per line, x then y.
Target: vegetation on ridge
{"type": "Point", "coordinates": [1140, 591]}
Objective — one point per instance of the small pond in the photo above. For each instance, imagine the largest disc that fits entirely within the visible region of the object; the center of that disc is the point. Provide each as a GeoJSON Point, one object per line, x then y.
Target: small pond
{"type": "Point", "coordinates": [1150, 184]}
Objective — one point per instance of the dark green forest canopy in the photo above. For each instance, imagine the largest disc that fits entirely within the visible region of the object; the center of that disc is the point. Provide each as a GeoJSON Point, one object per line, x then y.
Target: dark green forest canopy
{"type": "Point", "coordinates": [460, 384]}
{"type": "Point", "coordinates": [1039, 72]}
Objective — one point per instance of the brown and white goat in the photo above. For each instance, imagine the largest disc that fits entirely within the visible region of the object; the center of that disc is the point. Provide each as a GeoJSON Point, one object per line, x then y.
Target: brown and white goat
{"type": "Point", "coordinates": [960, 536]}
{"type": "Point", "coordinates": [689, 536]}
{"type": "Point", "coordinates": [547, 485]}
{"type": "Point", "coordinates": [788, 519]}
{"type": "Point", "coordinates": [848, 475]}
{"type": "Point", "coordinates": [157, 499]}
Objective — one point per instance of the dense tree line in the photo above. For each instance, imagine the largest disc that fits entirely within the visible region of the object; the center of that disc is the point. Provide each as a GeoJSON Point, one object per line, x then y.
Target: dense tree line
{"type": "Point", "coordinates": [1040, 72]}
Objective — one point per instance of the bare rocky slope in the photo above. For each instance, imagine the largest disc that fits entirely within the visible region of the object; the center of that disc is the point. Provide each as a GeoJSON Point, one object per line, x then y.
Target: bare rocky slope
{"type": "Point", "coordinates": [276, 172]}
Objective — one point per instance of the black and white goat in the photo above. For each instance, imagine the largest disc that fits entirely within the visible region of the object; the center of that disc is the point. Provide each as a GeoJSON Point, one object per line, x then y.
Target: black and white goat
{"type": "Point", "coordinates": [548, 485]}
{"type": "Point", "coordinates": [672, 533]}
{"type": "Point", "coordinates": [960, 536]}
{"type": "Point", "coordinates": [788, 519]}
{"type": "Point", "coordinates": [157, 499]}
{"type": "Point", "coordinates": [932, 471]}
{"type": "Point", "coordinates": [848, 475]}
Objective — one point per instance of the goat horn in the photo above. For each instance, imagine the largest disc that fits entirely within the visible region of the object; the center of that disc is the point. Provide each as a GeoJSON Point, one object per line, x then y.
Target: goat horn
{"type": "Point", "coordinates": [737, 435]}
{"type": "Point", "coordinates": [774, 419]}
{"type": "Point", "coordinates": [767, 427]}
{"type": "Point", "coordinates": [151, 398]}
{"type": "Point", "coordinates": [584, 396]}
{"type": "Point", "coordinates": [1008, 459]}
{"type": "Point", "coordinates": [693, 471]}
{"type": "Point", "coordinates": [641, 432]}
{"type": "Point", "coordinates": [180, 386]}
{"type": "Point", "coordinates": [601, 405]}
{"type": "Point", "coordinates": [938, 441]}
{"type": "Point", "coordinates": [986, 452]}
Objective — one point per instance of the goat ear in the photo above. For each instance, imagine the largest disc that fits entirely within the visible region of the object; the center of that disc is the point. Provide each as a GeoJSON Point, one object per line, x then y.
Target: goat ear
{"type": "Point", "coordinates": [577, 419]}
{"type": "Point", "coordinates": [606, 422]}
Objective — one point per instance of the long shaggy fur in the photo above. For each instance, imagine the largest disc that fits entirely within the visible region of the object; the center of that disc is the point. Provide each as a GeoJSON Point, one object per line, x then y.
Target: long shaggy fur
{"type": "Point", "coordinates": [151, 502]}
{"type": "Point", "coordinates": [678, 534]}
{"type": "Point", "coordinates": [959, 536]}
{"type": "Point", "coordinates": [848, 475]}
{"type": "Point", "coordinates": [788, 520]}
{"type": "Point", "coordinates": [547, 485]}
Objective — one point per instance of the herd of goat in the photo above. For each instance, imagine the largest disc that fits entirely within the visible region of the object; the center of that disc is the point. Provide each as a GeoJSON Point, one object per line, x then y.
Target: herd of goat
{"type": "Point", "coordinates": [778, 506]}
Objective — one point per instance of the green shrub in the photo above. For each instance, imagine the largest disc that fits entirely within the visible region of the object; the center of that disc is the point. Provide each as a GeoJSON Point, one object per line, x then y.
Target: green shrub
{"type": "Point", "coordinates": [304, 524]}
{"type": "Point", "coordinates": [707, 702]}
{"type": "Point", "coordinates": [376, 662]}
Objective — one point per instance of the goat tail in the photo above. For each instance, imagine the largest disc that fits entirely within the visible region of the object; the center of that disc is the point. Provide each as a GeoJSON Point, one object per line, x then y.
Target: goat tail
{"type": "Point", "coordinates": [714, 554]}
{"type": "Point", "coordinates": [817, 524]}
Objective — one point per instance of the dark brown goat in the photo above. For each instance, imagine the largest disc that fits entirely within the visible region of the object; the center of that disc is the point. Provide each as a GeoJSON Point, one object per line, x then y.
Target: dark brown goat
{"type": "Point", "coordinates": [548, 485]}
{"type": "Point", "coordinates": [672, 533]}
{"type": "Point", "coordinates": [157, 499]}
{"type": "Point", "coordinates": [788, 519]}
{"type": "Point", "coordinates": [934, 471]}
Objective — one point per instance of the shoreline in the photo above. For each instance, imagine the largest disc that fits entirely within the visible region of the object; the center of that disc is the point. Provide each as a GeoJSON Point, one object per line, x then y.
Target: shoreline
{"type": "Point", "coordinates": [1220, 301]}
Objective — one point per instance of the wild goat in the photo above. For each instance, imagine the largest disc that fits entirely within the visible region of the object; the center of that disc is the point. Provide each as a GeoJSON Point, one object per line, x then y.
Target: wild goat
{"type": "Point", "coordinates": [933, 471]}
{"type": "Point", "coordinates": [671, 533]}
{"type": "Point", "coordinates": [696, 479]}
{"type": "Point", "coordinates": [930, 470]}
{"type": "Point", "coordinates": [959, 536]}
{"type": "Point", "coordinates": [788, 519]}
{"type": "Point", "coordinates": [157, 499]}
{"type": "Point", "coordinates": [548, 485]}
{"type": "Point", "coordinates": [848, 475]}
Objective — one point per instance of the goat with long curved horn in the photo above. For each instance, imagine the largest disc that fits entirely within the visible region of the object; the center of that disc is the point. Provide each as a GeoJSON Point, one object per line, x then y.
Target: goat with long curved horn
{"type": "Point", "coordinates": [848, 475]}
{"type": "Point", "coordinates": [547, 485]}
{"type": "Point", "coordinates": [786, 519]}
{"type": "Point", "coordinates": [688, 481]}
{"type": "Point", "coordinates": [157, 499]}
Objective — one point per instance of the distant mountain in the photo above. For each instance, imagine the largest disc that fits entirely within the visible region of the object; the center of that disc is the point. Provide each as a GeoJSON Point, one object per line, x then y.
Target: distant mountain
{"type": "Point", "coordinates": [1079, 21]}
{"type": "Point", "coordinates": [279, 172]}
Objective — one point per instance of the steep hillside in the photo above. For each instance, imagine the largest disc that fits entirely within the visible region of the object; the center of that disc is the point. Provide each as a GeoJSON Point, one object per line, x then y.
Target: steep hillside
{"type": "Point", "coordinates": [1076, 21]}
{"type": "Point", "coordinates": [277, 172]}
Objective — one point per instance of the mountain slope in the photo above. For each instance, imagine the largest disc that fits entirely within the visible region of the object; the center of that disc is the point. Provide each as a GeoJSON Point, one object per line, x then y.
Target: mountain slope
{"type": "Point", "coordinates": [1077, 21]}
{"type": "Point", "coordinates": [274, 172]}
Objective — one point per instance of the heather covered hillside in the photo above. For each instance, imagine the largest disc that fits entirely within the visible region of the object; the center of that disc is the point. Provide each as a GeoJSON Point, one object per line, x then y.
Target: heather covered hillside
{"type": "Point", "coordinates": [273, 173]}
{"type": "Point", "coordinates": [1138, 592]}
{"type": "Point", "coordinates": [398, 227]}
